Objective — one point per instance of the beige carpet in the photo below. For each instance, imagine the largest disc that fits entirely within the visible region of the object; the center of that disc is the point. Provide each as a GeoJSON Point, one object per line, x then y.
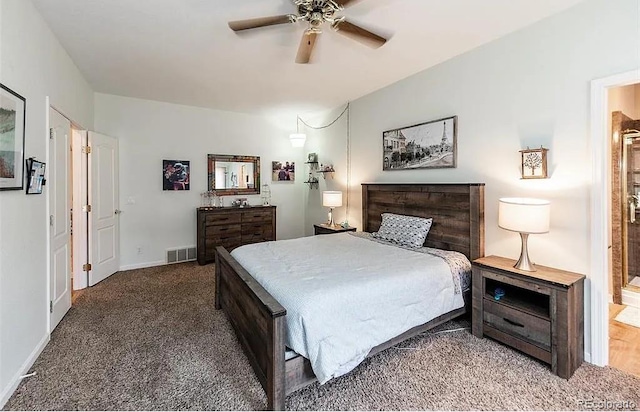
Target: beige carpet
{"type": "Point", "coordinates": [150, 339]}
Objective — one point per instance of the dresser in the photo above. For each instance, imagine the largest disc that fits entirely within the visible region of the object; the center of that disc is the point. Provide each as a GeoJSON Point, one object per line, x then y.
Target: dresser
{"type": "Point", "coordinates": [539, 313]}
{"type": "Point", "coordinates": [232, 227]}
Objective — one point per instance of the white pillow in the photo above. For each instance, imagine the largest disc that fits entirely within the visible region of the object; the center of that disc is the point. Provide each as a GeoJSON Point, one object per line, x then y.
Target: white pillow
{"type": "Point", "coordinates": [404, 230]}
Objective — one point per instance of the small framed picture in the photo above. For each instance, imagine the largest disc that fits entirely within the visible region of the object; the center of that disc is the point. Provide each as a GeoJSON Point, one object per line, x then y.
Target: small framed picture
{"type": "Point", "coordinates": [175, 174]}
{"type": "Point", "coordinates": [534, 163]}
{"type": "Point", "coordinates": [283, 171]}
{"type": "Point", "coordinates": [35, 176]}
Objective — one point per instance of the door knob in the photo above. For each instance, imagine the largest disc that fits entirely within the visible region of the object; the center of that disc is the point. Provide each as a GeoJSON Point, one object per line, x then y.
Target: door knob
{"type": "Point", "coordinates": [117, 211]}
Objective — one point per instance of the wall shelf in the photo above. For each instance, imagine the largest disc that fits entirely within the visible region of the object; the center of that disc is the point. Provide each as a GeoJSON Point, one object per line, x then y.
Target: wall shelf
{"type": "Point", "coordinates": [313, 182]}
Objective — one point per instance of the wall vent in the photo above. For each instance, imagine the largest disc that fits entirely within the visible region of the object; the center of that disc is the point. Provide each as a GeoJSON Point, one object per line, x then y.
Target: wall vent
{"type": "Point", "coordinates": [184, 254]}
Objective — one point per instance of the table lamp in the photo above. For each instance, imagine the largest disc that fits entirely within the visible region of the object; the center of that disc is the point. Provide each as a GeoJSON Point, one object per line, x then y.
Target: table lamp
{"type": "Point", "coordinates": [331, 199]}
{"type": "Point", "coordinates": [526, 216]}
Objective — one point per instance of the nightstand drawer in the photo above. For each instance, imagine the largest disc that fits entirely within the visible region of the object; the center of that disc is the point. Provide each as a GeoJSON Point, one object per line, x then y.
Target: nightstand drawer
{"type": "Point", "coordinates": [519, 324]}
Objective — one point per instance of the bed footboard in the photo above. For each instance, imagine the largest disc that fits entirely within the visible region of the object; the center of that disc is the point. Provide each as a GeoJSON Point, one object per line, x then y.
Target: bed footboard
{"type": "Point", "coordinates": [258, 320]}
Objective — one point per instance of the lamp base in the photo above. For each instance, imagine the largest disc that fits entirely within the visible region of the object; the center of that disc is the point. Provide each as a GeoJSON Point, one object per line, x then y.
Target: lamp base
{"type": "Point", "coordinates": [524, 263]}
{"type": "Point", "coordinates": [330, 222]}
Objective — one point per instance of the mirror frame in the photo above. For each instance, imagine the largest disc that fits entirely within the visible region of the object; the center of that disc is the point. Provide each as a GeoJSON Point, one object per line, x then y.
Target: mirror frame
{"type": "Point", "coordinates": [211, 176]}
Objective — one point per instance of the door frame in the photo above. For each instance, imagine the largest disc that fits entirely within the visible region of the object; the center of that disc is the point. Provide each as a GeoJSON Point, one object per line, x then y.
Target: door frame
{"type": "Point", "coordinates": [80, 235]}
{"type": "Point", "coordinates": [74, 124]}
{"type": "Point", "coordinates": [600, 213]}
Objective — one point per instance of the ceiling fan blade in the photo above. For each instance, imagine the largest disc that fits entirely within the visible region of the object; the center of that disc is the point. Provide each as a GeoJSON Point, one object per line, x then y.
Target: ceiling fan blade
{"type": "Point", "coordinates": [345, 3]}
{"type": "Point", "coordinates": [307, 43]}
{"type": "Point", "coordinates": [261, 22]}
{"type": "Point", "coordinates": [359, 34]}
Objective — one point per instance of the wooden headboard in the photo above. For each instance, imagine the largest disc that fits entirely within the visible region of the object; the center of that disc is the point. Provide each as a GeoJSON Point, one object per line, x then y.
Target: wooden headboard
{"type": "Point", "coordinates": [457, 211]}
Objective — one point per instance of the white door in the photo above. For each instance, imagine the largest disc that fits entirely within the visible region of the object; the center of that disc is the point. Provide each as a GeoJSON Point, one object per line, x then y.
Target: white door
{"type": "Point", "coordinates": [104, 254]}
{"type": "Point", "coordinates": [59, 219]}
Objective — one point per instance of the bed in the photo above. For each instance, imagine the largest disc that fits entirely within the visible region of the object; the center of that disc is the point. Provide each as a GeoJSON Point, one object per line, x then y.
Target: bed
{"type": "Point", "coordinates": [259, 319]}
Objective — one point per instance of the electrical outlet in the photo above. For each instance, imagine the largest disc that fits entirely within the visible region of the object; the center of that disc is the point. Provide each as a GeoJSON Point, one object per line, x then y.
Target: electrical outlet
{"type": "Point", "coordinates": [139, 250]}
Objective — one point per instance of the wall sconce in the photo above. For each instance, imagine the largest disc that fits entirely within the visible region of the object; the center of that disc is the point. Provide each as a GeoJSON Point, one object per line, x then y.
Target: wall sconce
{"type": "Point", "coordinates": [525, 216]}
{"type": "Point", "coordinates": [534, 163]}
{"type": "Point", "coordinates": [297, 139]}
{"type": "Point", "coordinates": [331, 199]}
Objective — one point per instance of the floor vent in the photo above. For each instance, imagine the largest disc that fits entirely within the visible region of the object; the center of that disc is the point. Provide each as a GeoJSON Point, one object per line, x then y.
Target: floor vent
{"type": "Point", "coordinates": [184, 254]}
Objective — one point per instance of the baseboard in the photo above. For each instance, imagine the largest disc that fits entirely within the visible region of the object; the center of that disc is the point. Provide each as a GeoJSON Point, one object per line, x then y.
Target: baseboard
{"type": "Point", "coordinates": [150, 264]}
{"type": "Point", "coordinates": [15, 381]}
{"type": "Point", "coordinates": [143, 265]}
{"type": "Point", "coordinates": [630, 298]}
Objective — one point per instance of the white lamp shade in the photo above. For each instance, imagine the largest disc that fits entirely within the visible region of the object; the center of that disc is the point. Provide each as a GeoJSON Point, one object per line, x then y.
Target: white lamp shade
{"type": "Point", "coordinates": [297, 139]}
{"type": "Point", "coordinates": [524, 215]}
{"type": "Point", "coordinates": [332, 198]}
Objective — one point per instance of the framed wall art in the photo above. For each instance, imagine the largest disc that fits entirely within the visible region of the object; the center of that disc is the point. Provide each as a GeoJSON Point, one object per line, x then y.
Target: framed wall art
{"type": "Point", "coordinates": [283, 171]}
{"type": "Point", "coordinates": [430, 145]}
{"type": "Point", "coordinates": [35, 176]}
{"type": "Point", "coordinates": [175, 174]}
{"type": "Point", "coordinates": [534, 163]}
{"type": "Point", "coordinates": [12, 127]}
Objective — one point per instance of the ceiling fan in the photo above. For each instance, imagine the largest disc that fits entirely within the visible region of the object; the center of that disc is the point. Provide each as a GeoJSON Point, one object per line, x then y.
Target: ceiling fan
{"type": "Point", "coordinates": [316, 13]}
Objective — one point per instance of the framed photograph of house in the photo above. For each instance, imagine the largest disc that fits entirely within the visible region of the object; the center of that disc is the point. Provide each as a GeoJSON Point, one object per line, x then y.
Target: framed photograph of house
{"type": "Point", "coordinates": [430, 145]}
{"type": "Point", "coordinates": [175, 174]}
{"type": "Point", "coordinates": [534, 163]}
{"type": "Point", "coordinates": [12, 126]}
{"type": "Point", "coordinates": [283, 171]}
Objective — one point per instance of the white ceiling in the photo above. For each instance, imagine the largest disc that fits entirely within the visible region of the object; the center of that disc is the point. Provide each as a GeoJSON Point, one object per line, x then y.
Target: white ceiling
{"type": "Point", "coordinates": [182, 51]}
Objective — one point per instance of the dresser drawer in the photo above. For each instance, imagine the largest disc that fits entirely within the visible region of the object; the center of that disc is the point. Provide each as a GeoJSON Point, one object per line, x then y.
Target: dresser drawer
{"type": "Point", "coordinates": [256, 228]}
{"type": "Point", "coordinates": [257, 215]}
{"type": "Point", "coordinates": [221, 218]}
{"type": "Point", "coordinates": [519, 324]}
{"type": "Point", "coordinates": [223, 240]}
{"type": "Point", "coordinates": [221, 230]}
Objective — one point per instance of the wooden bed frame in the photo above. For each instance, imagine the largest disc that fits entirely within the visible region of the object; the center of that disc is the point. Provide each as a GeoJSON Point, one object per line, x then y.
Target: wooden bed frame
{"type": "Point", "coordinates": [259, 320]}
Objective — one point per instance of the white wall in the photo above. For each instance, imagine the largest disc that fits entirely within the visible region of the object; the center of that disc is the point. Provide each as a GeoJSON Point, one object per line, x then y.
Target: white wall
{"type": "Point", "coordinates": [529, 88]}
{"type": "Point", "coordinates": [35, 65]}
{"type": "Point", "coordinates": [330, 146]}
{"type": "Point", "coordinates": [149, 132]}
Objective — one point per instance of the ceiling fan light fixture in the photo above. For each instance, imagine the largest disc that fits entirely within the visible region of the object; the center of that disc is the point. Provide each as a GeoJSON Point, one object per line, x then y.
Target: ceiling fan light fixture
{"type": "Point", "coordinates": [297, 139]}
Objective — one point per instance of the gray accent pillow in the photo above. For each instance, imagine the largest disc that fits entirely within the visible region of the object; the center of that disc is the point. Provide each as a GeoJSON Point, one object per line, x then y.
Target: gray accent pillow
{"type": "Point", "coordinates": [404, 230]}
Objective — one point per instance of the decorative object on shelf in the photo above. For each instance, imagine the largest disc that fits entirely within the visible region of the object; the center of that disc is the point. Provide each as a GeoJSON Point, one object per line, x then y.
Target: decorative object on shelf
{"type": "Point", "coordinates": [12, 137]}
{"type": "Point", "coordinates": [534, 163]}
{"type": "Point", "coordinates": [331, 199]}
{"type": "Point", "coordinates": [265, 195]}
{"type": "Point", "coordinates": [326, 169]}
{"type": "Point", "coordinates": [240, 202]}
{"type": "Point", "coordinates": [526, 216]}
{"type": "Point", "coordinates": [430, 145]}
{"type": "Point", "coordinates": [210, 199]}
{"type": "Point", "coordinates": [175, 175]}
{"type": "Point", "coordinates": [35, 176]}
{"type": "Point", "coordinates": [233, 175]}
{"type": "Point", "coordinates": [283, 171]}
{"type": "Point", "coordinates": [312, 158]}
{"type": "Point", "coordinates": [313, 182]}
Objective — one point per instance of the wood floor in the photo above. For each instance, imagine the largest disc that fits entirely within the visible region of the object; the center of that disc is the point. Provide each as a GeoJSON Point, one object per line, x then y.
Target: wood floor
{"type": "Point", "coordinates": [624, 343]}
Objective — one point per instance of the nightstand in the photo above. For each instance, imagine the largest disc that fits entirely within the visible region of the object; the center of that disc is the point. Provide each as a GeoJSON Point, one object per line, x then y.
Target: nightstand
{"type": "Point", "coordinates": [324, 229]}
{"type": "Point", "coordinates": [540, 314]}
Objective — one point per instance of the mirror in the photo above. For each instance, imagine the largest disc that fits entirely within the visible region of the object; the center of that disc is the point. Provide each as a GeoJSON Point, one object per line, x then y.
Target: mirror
{"type": "Point", "coordinates": [233, 175]}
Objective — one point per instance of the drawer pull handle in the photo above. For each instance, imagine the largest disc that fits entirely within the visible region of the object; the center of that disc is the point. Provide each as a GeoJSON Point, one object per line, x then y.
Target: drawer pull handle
{"type": "Point", "coordinates": [520, 325]}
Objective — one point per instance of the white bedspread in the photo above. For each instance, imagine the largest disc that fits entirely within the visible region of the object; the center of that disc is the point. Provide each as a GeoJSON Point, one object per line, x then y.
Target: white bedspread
{"type": "Point", "coordinates": [345, 295]}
